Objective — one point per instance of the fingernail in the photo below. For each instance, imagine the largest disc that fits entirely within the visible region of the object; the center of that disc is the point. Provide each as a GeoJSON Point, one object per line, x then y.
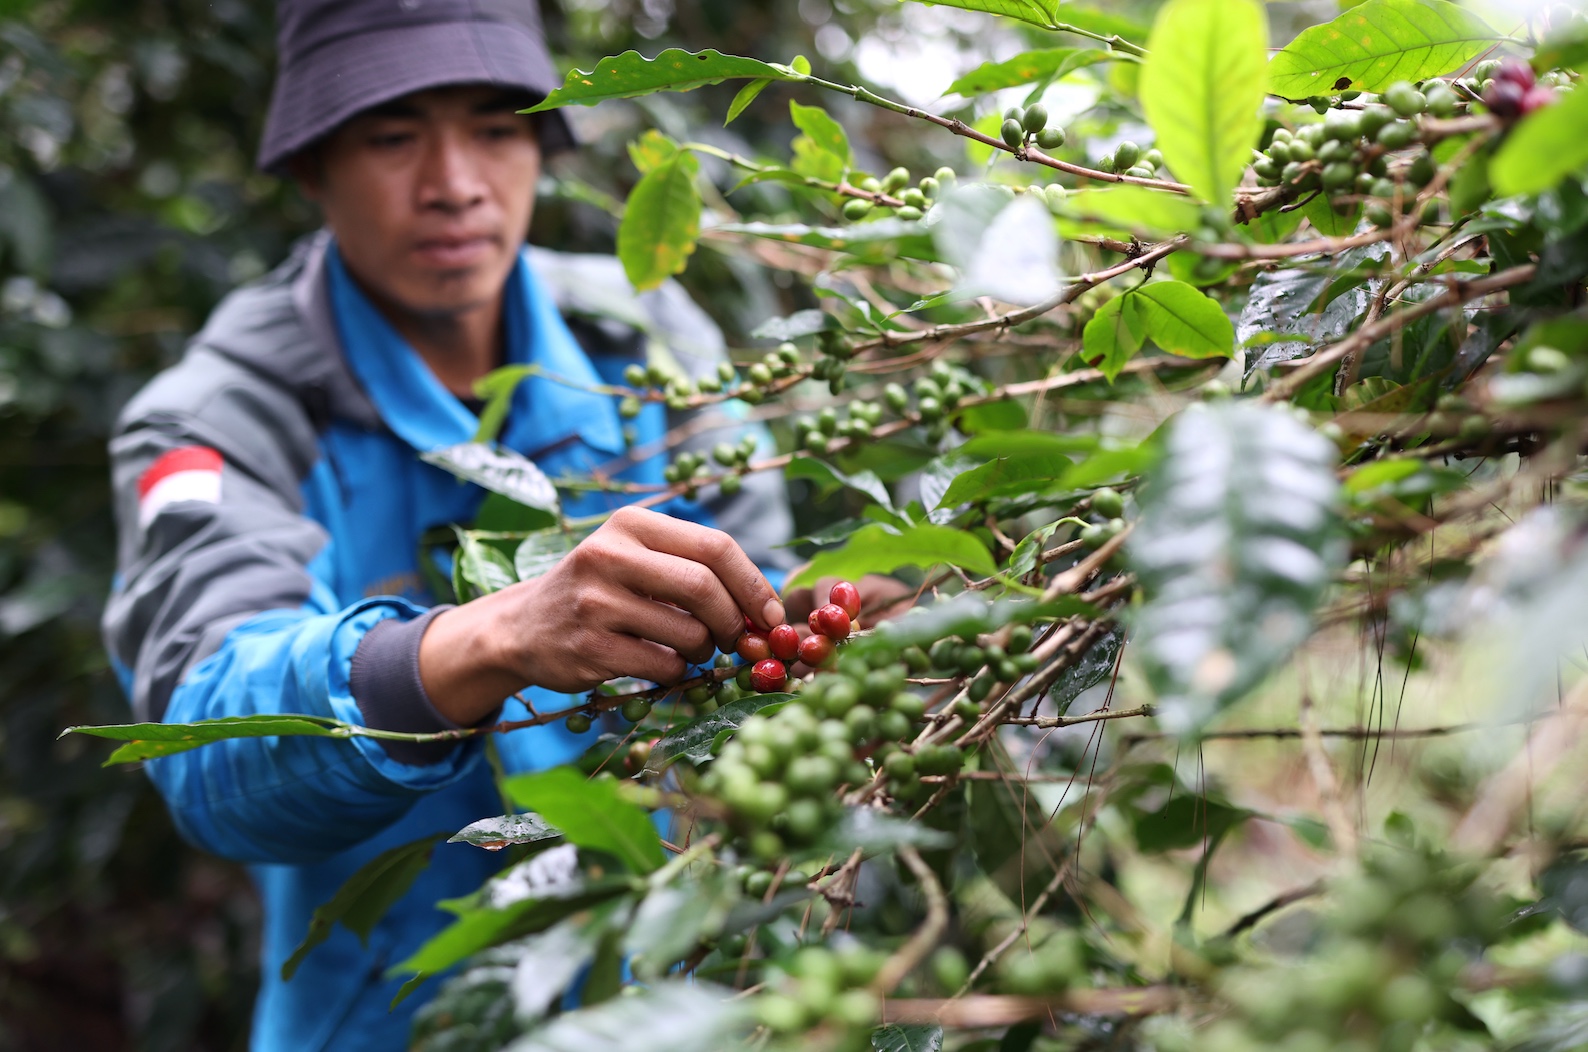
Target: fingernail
{"type": "Point", "coordinates": [772, 613]}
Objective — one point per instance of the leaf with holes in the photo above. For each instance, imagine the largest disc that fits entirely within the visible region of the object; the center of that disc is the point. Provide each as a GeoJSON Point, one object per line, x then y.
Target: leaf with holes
{"type": "Point", "coordinates": [661, 222]}
{"type": "Point", "coordinates": [1202, 87]}
{"type": "Point", "coordinates": [631, 74]}
{"type": "Point", "coordinates": [1377, 43]}
{"type": "Point", "coordinates": [1237, 542]}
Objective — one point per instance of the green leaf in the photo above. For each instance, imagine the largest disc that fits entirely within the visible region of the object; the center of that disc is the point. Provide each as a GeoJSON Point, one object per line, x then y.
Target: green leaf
{"type": "Point", "coordinates": [497, 387]}
{"type": "Point", "coordinates": [542, 550]}
{"type": "Point", "coordinates": [1005, 476]}
{"type": "Point", "coordinates": [364, 898]}
{"type": "Point", "coordinates": [1184, 321]}
{"type": "Point", "coordinates": [146, 741]}
{"type": "Point", "coordinates": [1237, 542]}
{"type": "Point", "coordinates": [548, 964]}
{"type": "Point", "coordinates": [879, 240]}
{"type": "Point", "coordinates": [631, 74]}
{"type": "Point", "coordinates": [672, 920]}
{"type": "Point", "coordinates": [1566, 47]}
{"type": "Point", "coordinates": [741, 101]}
{"type": "Point", "coordinates": [661, 222]}
{"type": "Point", "coordinates": [800, 323]}
{"type": "Point", "coordinates": [915, 1037]}
{"type": "Point", "coordinates": [1186, 820]}
{"type": "Point", "coordinates": [1546, 147]}
{"type": "Point", "coordinates": [1114, 334]}
{"type": "Point", "coordinates": [651, 149]}
{"type": "Point", "coordinates": [1330, 222]}
{"type": "Point", "coordinates": [1108, 464]}
{"type": "Point", "coordinates": [694, 740]}
{"type": "Point", "coordinates": [821, 129]}
{"type": "Point", "coordinates": [874, 832]}
{"type": "Point", "coordinates": [1375, 44]}
{"type": "Point", "coordinates": [528, 898]}
{"type": "Point", "coordinates": [829, 478]}
{"type": "Point", "coordinates": [1135, 209]}
{"type": "Point", "coordinates": [669, 1016]}
{"type": "Point", "coordinates": [590, 813]}
{"type": "Point", "coordinates": [503, 471]}
{"type": "Point", "coordinates": [877, 549]}
{"type": "Point", "coordinates": [1045, 64]}
{"type": "Point", "coordinates": [1052, 14]}
{"type": "Point", "coordinates": [480, 565]}
{"type": "Point", "coordinates": [493, 834]}
{"type": "Point", "coordinates": [1201, 89]}
{"type": "Point", "coordinates": [499, 514]}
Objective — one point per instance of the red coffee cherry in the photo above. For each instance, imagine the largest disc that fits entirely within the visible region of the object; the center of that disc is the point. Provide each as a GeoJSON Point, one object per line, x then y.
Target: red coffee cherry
{"type": "Point", "coordinates": [785, 642]}
{"type": "Point", "coordinates": [753, 646]}
{"type": "Point", "coordinates": [768, 676]}
{"type": "Point", "coordinates": [831, 621]}
{"type": "Point", "coordinates": [816, 651]}
{"type": "Point", "coordinates": [1536, 98]}
{"type": "Point", "coordinates": [1516, 71]}
{"type": "Point", "coordinates": [847, 596]}
{"type": "Point", "coordinates": [1504, 98]}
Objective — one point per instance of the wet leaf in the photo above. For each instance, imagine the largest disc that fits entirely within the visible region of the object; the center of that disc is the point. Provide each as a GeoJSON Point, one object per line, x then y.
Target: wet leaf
{"type": "Point", "coordinates": [503, 471]}
{"type": "Point", "coordinates": [493, 834]}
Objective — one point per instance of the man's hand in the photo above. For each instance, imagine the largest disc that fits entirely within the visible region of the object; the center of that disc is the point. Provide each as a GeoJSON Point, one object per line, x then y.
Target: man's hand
{"type": "Point", "coordinates": [640, 597]}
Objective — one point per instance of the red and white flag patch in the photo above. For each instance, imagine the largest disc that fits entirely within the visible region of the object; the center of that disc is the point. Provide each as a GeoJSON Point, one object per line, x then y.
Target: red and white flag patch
{"type": "Point", "coordinates": [184, 473]}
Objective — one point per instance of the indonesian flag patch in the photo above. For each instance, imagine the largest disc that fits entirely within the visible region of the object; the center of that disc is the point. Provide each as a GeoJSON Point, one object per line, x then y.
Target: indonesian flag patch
{"type": "Point", "coordinates": [184, 473]}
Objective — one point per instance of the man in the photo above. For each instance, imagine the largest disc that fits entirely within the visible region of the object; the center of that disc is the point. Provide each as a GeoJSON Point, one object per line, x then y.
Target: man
{"type": "Point", "coordinates": [271, 496]}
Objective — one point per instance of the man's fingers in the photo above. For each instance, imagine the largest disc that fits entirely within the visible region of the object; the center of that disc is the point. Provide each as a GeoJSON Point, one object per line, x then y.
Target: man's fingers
{"type": "Point", "coordinates": [671, 627]}
{"type": "Point", "coordinates": [690, 585]}
{"type": "Point", "coordinates": [714, 549]}
{"type": "Point", "coordinates": [642, 659]}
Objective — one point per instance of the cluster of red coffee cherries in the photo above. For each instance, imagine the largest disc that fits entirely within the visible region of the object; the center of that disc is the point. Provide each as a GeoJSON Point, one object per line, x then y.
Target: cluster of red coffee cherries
{"type": "Point", "coordinates": [830, 624]}
{"type": "Point", "coordinates": [1514, 92]}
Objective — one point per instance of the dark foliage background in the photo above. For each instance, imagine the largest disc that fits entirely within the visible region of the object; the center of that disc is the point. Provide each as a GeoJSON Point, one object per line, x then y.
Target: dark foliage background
{"type": "Point", "coordinates": [128, 207]}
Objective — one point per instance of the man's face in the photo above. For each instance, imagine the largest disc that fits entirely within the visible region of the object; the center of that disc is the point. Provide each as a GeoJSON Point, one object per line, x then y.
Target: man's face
{"type": "Point", "coordinates": [430, 196]}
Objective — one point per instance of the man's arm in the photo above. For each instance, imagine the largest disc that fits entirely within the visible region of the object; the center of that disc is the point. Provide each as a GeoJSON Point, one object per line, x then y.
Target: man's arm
{"type": "Point", "coordinates": [639, 597]}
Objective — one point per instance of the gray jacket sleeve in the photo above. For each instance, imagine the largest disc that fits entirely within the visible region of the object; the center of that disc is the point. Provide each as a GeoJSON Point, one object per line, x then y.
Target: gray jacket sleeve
{"type": "Point", "coordinates": [198, 569]}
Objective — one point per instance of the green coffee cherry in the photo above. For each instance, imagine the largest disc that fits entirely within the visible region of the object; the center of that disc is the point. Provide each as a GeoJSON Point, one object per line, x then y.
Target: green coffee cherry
{"type": "Point", "coordinates": [1405, 99]}
{"type": "Point", "coordinates": [1374, 118]}
{"type": "Point", "coordinates": [1442, 102]}
{"type": "Point", "coordinates": [577, 723]}
{"type": "Point", "coordinates": [896, 397]}
{"type": "Point", "coordinates": [1035, 118]}
{"type": "Point", "coordinates": [913, 197]}
{"type": "Point", "coordinates": [1301, 151]}
{"type": "Point", "coordinates": [1397, 135]}
{"type": "Point", "coordinates": [895, 180]}
{"type": "Point", "coordinates": [1379, 216]}
{"type": "Point", "coordinates": [945, 175]}
{"type": "Point", "coordinates": [1013, 133]}
{"type": "Point", "coordinates": [759, 374]}
{"type": "Point", "coordinates": [909, 213]}
{"type": "Point", "coordinates": [1050, 138]}
{"type": "Point", "coordinates": [1108, 503]}
{"type": "Point", "coordinates": [1342, 125]}
{"type": "Point", "coordinates": [636, 709]}
{"type": "Point", "coordinates": [1339, 175]}
{"type": "Point", "coordinates": [1139, 171]}
{"type": "Point", "coordinates": [1336, 150]}
{"type": "Point", "coordinates": [857, 209]}
{"type": "Point", "coordinates": [629, 407]}
{"type": "Point", "coordinates": [1423, 169]}
{"type": "Point", "coordinates": [1125, 155]}
{"type": "Point", "coordinates": [1153, 159]}
{"type": "Point", "coordinates": [634, 375]}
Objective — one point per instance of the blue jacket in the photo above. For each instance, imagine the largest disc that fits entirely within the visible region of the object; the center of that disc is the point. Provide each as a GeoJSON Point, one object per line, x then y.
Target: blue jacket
{"type": "Point", "coordinates": [271, 502]}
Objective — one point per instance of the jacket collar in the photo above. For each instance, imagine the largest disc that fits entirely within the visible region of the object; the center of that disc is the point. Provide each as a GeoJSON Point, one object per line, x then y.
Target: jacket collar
{"type": "Point", "coordinates": [425, 415]}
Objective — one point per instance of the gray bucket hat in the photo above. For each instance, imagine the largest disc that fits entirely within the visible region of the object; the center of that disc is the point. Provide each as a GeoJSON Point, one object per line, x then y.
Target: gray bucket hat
{"type": "Point", "coordinates": [338, 58]}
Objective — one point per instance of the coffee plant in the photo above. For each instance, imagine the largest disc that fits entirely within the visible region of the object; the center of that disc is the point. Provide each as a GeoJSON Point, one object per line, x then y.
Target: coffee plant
{"type": "Point", "coordinates": [1181, 391]}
